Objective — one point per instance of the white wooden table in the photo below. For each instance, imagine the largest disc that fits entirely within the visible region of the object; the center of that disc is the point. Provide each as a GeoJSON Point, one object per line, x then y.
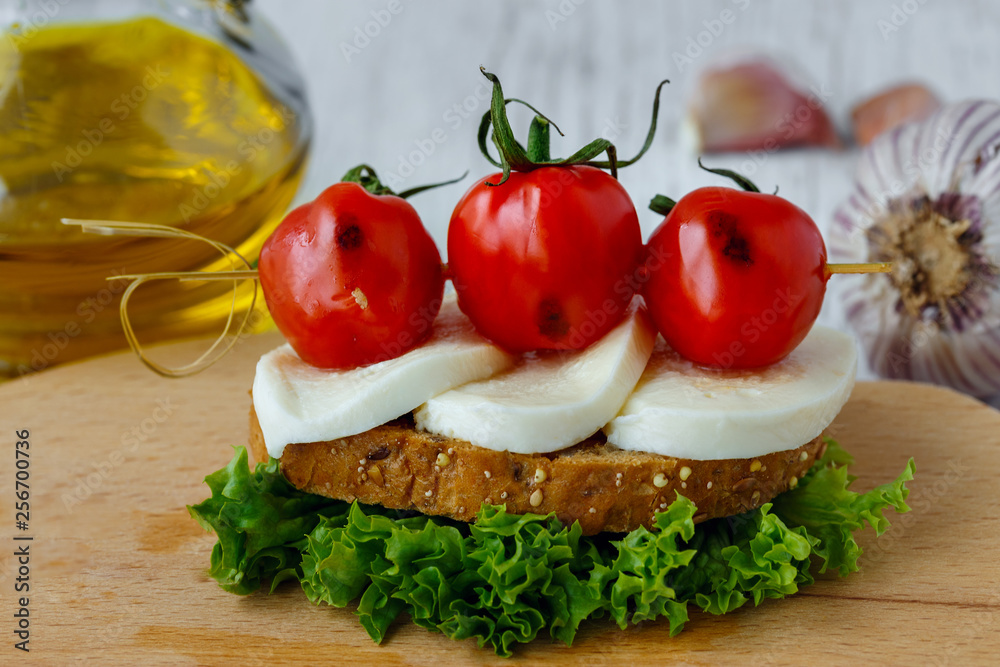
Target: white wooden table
{"type": "Point", "coordinates": [592, 66]}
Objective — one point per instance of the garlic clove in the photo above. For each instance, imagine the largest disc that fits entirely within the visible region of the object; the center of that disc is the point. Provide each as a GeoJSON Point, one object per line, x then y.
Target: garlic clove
{"type": "Point", "coordinates": [753, 104]}
{"type": "Point", "coordinates": [900, 104]}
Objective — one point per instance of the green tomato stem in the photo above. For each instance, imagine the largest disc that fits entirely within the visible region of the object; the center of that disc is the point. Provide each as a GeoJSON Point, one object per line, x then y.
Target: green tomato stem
{"type": "Point", "coordinates": [514, 156]}
{"type": "Point", "coordinates": [366, 177]}
{"type": "Point", "coordinates": [538, 140]}
{"type": "Point", "coordinates": [739, 179]}
{"type": "Point", "coordinates": [661, 204]}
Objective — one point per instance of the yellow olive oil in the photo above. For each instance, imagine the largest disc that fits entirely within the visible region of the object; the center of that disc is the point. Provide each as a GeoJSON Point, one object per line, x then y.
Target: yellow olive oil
{"type": "Point", "coordinates": [137, 121]}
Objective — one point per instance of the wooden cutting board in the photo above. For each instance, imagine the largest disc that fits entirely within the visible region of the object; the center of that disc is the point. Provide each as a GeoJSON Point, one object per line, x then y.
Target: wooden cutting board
{"type": "Point", "coordinates": [117, 567]}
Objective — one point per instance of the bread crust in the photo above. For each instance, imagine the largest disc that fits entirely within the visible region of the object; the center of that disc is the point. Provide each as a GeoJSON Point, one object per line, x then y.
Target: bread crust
{"type": "Point", "coordinates": [603, 487]}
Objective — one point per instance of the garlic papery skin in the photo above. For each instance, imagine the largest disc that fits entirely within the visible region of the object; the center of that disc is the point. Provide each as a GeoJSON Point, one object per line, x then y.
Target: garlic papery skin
{"type": "Point", "coordinates": [927, 198]}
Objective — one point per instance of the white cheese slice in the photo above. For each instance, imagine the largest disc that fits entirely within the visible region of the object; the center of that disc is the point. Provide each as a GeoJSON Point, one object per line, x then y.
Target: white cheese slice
{"type": "Point", "coordinates": [550, 400]}
{"type": "Point", "coordinates": [297, 403]}
{"type": "Point", "coordinates": [682, 410]}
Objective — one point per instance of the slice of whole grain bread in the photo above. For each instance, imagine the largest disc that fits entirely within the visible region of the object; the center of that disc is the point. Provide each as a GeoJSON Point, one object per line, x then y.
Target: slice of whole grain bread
{"type": "Point", "coordinates": [603, 487]}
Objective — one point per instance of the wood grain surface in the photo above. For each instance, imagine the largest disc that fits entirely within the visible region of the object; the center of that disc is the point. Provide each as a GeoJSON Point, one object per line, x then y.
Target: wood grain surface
{"type": "Point", "coordinates": [118, 567]}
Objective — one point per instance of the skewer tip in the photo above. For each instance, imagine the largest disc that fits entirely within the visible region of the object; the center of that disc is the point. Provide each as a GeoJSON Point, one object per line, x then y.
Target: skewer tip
{"type": "Point", "coordinates": [868, 267]}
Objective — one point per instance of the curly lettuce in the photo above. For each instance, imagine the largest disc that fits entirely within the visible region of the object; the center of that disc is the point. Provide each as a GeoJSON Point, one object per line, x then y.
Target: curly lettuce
{"type": "Point", "coordinates": [506, 578]}
{"type": "Point", "coordinates": [261, 522]}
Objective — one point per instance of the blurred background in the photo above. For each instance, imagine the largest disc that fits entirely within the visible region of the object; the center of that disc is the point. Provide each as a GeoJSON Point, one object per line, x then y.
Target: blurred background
{"type": "Point", "coordinates": [379, 93]}
{"type": "Point", "coordinates": [592, 66]}
{"type": "Point", "coordinates": [396, 84]}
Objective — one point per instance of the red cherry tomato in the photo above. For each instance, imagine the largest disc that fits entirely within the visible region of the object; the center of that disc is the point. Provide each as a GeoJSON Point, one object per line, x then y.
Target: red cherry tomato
{"type": "Point", "coordinates": [735, 279]}
{"type": "Point", "coordinates": [352, 278]}
{"type": "Point", "coordinates": [545, 260]}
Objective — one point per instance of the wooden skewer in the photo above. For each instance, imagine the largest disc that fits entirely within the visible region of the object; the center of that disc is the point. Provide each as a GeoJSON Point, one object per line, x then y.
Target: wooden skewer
{"type": "Point", "coordinates": [227, 339]}
{"type": "Point", "coordinates": [189, 275]}
{"type": "Point", "coordinates": [871, 267]}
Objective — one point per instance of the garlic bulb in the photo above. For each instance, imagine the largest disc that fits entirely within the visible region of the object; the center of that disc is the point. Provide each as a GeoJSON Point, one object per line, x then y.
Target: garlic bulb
{"type": "Point", "coordinates": [927, 198]}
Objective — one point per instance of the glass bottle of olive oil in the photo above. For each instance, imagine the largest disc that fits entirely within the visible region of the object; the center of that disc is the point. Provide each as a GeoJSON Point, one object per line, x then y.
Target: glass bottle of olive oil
{"type": "Point", "coordinates": [135, 120]}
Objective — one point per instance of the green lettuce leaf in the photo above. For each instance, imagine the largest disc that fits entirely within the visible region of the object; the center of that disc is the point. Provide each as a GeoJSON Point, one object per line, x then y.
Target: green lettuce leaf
{"type": "Point", "coordinates": [823, 504]}
{"type": "Point", "coordinates": [506, 578]}
{"type": "Point", "coordinates": [751, 556]}
{"type": "Point", "coordinates": [261, 522]}
{"type": "Point", "coordinates": [640, 572]}
{"type": "Point", "coordinates": [501, 580]}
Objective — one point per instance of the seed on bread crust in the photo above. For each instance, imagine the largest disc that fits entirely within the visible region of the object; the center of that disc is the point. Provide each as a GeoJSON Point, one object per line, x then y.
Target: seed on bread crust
{"type": "Point", "coordinates": [577, 484]}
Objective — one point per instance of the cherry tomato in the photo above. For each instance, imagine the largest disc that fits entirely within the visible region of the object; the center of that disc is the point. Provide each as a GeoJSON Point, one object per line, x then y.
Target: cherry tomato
{"type": "Point", "coordinates": [735, 279]}
{"type": "Point", "coordinates": [352, 278]}
{"type": "Point", "coordinates": [547, 259]}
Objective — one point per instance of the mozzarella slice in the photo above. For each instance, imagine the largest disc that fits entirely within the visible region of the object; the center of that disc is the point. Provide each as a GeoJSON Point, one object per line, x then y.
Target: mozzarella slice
{"type": "Point", "coordinates": [296, 402]}
{"type": "Point", "coordinates": [682, 410]}
{"type": "Point", "coordinates": [548, 401]}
